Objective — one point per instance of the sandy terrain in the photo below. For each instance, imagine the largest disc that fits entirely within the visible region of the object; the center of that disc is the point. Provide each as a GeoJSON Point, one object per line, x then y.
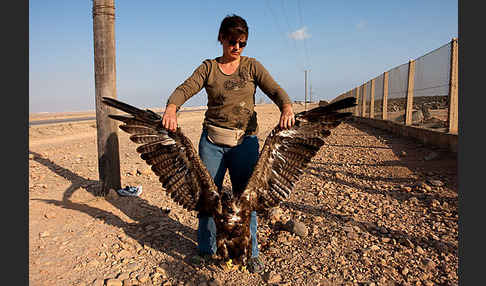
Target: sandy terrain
{"type": "Point", "coordinates": [376, 209]}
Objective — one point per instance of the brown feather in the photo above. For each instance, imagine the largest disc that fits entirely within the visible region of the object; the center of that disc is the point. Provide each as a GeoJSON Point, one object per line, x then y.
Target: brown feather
{"type": "Point", "coordinates": [144, 138]}
{"type": "Point", "coordinates": [286, 153]}
{"type": "Point", "coordinates": [172, 157]}
{"type": "Point", "coordinates": [138, 129]}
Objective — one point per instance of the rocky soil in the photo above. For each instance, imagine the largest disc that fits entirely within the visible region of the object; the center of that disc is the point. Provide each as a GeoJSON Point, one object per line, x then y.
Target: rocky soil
{"type": "Point", "coordinates": [372, 209]}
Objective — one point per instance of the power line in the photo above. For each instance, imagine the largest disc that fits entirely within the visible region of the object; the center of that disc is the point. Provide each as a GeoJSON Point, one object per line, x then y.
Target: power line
{"type": "Point", "coordinates": [276, 21]}
{"type": "Point", "coordinates": [301, 24]}
{"type": "Point", "coordinates": [282, 31]}
{"type": "Point", "coordinates": [287, 21]}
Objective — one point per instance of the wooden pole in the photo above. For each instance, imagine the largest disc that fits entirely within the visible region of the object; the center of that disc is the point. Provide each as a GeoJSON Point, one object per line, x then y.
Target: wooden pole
{"type": "Point", "coordinates": [411, 75]}
{"type": "Point", "coordinates": [105, 86]}
{"type": "Point", "coordinates": [453, 113]}
{"type": "Point", "coordinates": [357, 113]}
{"type": "Point", "coordinates": [372, 99]}
{"type": "Point", "coordinates": [384, 115]}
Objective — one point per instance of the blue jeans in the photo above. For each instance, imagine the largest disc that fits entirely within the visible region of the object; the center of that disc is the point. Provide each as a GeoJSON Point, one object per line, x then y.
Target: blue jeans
{"type": "Point", "coordinates": [239, 161]}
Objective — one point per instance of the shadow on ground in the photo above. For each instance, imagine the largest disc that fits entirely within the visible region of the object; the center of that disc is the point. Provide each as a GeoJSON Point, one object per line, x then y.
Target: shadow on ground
{"type": "Point", "coordinates": [443, 160]}
{"type": "Point", "coordinates": [171, 237]}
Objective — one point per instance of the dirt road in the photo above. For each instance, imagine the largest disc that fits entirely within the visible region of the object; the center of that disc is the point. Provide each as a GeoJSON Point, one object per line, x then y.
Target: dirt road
{"type": "Point", "coordinates": [377, 209]}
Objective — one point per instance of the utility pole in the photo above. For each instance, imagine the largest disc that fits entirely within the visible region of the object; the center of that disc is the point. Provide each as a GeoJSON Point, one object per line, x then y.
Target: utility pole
{"type": "Point", "coordinates": [105, 85]}
{"type": "Point", "coordinates": [310, 89]}
{"type": "Point", "coordinates": [305, 83]}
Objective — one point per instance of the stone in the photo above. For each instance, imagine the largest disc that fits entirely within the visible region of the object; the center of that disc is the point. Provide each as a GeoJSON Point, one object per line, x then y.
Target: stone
{"type": "Point", "coordinates": [271, 277]}
{"type": "Point", "coordinates": [436, 183]}
{"type": "Point", "coordinates": [407, 189]}
{"type": "Point", "coordinates": [98, 282]}
{"type": "Point", "coordinates": [214, 282]}
{"type": "Point", "coordinates": [297, 227]}
{"type": "Point", "coordinates": [143, 277]}
{"type": "Point", "coordinates": [44, 234]}
{"type": "Point", "coordinates": [419, 250]}
{"type": "Point", "coordinates": [435, 203]}
{"type": "Point", "coordinates": [114, 282]}
{"type": "Point", "coordinates": [50, 215]}
{"type": "Point", "coordinates": [348, 229]}
{"type": "Point", "coordinates": [132, 267]}
{"type": "Point", "coordinates": [430, 264]}
{"type": "Point", "coordinates": [417, 116]}
{"type": "Point", "coordinates": [423, 185]}
{"type": "Point", "coordinates": [374, 247]}
{"type": "Point", "coordinates": [431, 156]}
{"type": "Point", "coordinates": [275, 214]}
{"type": "Point", "coordinates": [122, 276]}
{"type": "Point", "coordinates": [385, 239]}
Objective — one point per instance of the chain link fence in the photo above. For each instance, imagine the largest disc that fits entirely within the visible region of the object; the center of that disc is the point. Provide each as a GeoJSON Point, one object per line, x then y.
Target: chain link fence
{"type": "Point", "coordinates": [421, 93]}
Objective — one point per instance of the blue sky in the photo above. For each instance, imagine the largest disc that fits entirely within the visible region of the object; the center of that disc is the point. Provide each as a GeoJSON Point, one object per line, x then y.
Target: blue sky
{"type": "Point", "coordinates": [160, 43]}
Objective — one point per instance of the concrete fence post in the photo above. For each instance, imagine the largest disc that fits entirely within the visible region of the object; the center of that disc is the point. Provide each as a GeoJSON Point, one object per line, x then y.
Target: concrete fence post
{"type": "Point", "coordinates": [453, 112]}
{"type": "Point", "coordinates": [384, 115]}
{"type": "Point", "coordinates": [372, 99]}
{"type": "Point", "coordinates": [356, 110]}
{"type": "Point", "coordinates": [363, 100]}
{"type": "Point", "coordinates": [409, 108]}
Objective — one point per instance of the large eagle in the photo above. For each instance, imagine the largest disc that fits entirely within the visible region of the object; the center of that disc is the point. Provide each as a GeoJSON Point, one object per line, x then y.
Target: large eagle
{"type": "Point", "coordinates": [283, 158]}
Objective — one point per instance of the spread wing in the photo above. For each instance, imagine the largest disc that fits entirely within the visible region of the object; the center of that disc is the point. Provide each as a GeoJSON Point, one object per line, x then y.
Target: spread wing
{"type": "Point", "coordinates": [287, 152]}
{"type": "Point", "coordinates": [171, 156]}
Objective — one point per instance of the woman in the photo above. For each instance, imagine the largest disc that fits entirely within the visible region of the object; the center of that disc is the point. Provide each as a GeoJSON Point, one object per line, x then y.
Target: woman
{"type": "Point", "coordinates": [228, 141]}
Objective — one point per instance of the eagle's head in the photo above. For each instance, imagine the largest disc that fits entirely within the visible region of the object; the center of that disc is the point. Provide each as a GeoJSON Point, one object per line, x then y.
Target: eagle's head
{"type": "Point", "coordinates": [231, 208]}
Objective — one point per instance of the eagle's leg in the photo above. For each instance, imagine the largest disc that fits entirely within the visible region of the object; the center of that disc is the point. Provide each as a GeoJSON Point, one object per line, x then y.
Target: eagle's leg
{"type": "Point", "coordinates": [224, 253]}
{"type": "Point", "coordinates": [222, 249]}
{"type": "Point", "coordinates": [246, 252]}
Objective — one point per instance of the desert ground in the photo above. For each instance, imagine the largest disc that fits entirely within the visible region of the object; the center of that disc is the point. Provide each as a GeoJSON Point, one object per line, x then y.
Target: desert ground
{"type": "Point", "coordinates": [371, 209]}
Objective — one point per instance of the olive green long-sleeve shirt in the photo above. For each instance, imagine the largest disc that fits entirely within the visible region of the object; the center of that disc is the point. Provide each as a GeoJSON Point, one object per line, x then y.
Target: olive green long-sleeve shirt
{"type": "Point", "coordinates": [231, 98]}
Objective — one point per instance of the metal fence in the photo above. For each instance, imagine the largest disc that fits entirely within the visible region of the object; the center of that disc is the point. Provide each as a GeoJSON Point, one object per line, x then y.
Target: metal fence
{"type": "Point", "coordinates": [421, 93]}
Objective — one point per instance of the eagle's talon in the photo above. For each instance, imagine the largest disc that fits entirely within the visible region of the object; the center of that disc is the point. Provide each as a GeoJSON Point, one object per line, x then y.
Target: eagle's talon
{"type": "Point", "coordinates": [230, 266]}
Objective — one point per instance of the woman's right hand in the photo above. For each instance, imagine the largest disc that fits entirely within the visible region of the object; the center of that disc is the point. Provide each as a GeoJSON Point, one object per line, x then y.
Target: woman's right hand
{"type": "Point", "coordinates": [169, 120]}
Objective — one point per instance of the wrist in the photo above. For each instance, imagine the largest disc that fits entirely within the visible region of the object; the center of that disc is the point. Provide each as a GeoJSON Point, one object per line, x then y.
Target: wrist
{"type": "Point", "coordinates": [171, 107]}
{"type": "Point", "coordinates": [286, 107]}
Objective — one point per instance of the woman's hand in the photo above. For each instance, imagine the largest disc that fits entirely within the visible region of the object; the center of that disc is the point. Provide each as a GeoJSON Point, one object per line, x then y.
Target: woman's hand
{"type": "Point", "coordinates": [287, 118]}
{"type": "Point", "coordinates": [169, 120]}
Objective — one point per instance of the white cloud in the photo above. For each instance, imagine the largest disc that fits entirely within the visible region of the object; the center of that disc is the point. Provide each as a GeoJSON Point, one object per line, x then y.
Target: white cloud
{"type": "Point", "coordinates": [300, 34]}
{"type": "Point", "coordinates": [361, 25]}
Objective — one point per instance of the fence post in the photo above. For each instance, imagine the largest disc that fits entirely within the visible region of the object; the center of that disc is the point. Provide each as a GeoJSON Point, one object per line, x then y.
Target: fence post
{"type": "Point", "coordinates": [384, 115]}
{"type": "Point", "coordinates": [411, 73]}
{"type": "Point", "coordinates": [356, 110]}
{"type": "Point", "coordinates": [372, 99]}
{"type": "Point", "coordinates": [105, 85]}
{"type": "Point", "coordinates": [363, 100]}
{"type": "Point", "coordinates": [453, 86]}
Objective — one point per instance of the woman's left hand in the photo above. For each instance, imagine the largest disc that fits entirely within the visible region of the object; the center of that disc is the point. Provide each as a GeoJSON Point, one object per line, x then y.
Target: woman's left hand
{"type": "Point", "coordinates": [287, 118]}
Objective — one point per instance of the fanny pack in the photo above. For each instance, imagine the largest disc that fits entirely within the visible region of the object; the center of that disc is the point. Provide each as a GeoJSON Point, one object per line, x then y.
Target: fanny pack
{"type": "Point", "coordinates": [225, 136]}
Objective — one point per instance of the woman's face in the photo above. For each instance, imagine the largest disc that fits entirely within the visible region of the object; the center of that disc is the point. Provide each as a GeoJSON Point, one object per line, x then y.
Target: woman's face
{"type": "Point", "coordinates": [232, 48]}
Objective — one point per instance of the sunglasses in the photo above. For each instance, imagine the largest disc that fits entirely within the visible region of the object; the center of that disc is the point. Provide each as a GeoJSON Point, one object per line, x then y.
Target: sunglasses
{"type": "Point", "coordinates": [233, 43]}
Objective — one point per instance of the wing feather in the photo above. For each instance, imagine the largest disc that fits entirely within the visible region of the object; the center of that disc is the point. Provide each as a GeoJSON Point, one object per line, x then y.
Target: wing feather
{"type": "Point", "coordinates": [287, 152]}
{"type": "Point", "coordinates": [172, 158]}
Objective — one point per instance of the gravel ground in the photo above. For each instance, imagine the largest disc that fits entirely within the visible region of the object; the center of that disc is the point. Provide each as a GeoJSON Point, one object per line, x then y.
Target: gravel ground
{"type": "Point", "coordinates": [372, 209]}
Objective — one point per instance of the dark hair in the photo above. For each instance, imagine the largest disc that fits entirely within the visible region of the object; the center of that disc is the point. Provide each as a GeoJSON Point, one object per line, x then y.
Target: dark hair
{"type": "Point", "coordinates": [232, 27]}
